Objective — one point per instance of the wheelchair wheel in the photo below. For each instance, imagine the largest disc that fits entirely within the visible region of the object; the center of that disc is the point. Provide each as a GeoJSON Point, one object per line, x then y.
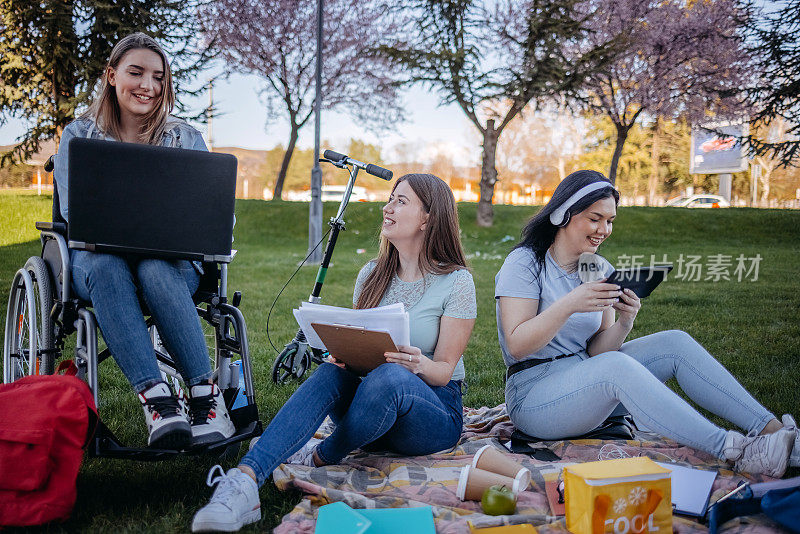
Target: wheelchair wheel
{"type": "Point", "coordinates": [28, 346]}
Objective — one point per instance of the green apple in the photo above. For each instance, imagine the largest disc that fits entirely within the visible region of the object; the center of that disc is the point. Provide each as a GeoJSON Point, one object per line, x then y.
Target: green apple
{"type": "Point", "coordinates": [498, 500]}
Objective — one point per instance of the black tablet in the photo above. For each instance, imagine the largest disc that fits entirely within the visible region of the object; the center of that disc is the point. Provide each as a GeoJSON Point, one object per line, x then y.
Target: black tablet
{"type": "Point", "coordinates": [642, 280]}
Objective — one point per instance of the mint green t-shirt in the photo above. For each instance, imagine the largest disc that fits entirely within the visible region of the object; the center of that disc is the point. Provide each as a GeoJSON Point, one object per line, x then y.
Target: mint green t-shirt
{"type": "Point", "coordinates": [426, 300]}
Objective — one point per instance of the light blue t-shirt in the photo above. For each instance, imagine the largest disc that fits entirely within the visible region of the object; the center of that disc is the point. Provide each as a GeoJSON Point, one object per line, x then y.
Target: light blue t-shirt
{"type": "Point", "coordinates": [519, 277]}
{"type": "Point", "coordinates": [426, 300]}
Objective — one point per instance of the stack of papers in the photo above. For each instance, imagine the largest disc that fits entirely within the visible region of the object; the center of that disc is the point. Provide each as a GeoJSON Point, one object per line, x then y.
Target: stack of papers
{"type": "Point", "coordinates": [392, 319]}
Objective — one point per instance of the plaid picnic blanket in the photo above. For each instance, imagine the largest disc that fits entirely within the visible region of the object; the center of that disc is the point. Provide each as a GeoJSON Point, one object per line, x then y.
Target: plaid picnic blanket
{"type": "Point", "coordinates": [388, 480]}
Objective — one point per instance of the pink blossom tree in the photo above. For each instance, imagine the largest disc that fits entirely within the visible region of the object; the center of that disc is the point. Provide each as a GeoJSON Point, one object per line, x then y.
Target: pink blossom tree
{"type": "Point", "coordinates": [276, 40]}
{"type": "Point", "coordinates": [681, 58]}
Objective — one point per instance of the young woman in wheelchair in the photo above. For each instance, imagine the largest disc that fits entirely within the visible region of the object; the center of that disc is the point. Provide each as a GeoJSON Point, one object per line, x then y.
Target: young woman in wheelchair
{"type": "Point", "coordinates": [133, 105]}
{"type": "Point", "coordinates": [411, 404]}
{"type": "Point", "coordinates": [569, 366]}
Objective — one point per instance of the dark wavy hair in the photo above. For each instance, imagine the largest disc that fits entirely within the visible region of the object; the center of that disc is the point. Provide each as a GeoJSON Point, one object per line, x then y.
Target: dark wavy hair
{"type": "Point", "coordinates": [539, 234]}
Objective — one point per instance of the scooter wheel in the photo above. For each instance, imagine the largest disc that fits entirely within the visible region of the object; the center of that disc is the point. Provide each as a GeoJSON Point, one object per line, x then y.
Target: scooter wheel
{"type": "Point", "coordinates": [282, 368]}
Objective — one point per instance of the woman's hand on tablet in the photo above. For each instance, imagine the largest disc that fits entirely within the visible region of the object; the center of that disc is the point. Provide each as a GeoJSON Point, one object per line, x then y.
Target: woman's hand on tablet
{"type": "Point", "coordinates": [409, 357]}
{"type": "Point", "coordinates": [592, 296]}
{"type": "Point", "coordinates": [627, 307]}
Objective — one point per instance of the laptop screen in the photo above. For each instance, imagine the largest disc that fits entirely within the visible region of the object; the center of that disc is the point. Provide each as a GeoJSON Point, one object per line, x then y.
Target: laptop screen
{"type": "Point", "coordinates": [151, 200]}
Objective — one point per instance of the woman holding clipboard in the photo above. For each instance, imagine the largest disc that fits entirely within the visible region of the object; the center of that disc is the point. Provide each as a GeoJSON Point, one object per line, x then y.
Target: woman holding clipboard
{"type": "Point", "coordinates": [411, 404]}
{"type": "Point", "coordinates": [569, 366]}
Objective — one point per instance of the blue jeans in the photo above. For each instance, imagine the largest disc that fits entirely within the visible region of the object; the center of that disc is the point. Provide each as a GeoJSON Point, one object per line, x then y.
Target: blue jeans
{"type": "Point", "coordinates": [110, 282]}
{"type": "Point", "coordinates": [572, 396]}
{"type": "Point", "coordinates": [390, 408]}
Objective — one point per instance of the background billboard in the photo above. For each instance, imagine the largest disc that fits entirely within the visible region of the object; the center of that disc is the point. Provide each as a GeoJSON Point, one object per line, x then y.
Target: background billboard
{"type": "Point", "coordinates": [717, 149]}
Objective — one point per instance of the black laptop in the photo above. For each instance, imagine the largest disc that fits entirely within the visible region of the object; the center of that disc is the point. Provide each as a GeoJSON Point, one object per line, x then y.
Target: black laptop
{"type": "Point", "coordinates": [130, 198]}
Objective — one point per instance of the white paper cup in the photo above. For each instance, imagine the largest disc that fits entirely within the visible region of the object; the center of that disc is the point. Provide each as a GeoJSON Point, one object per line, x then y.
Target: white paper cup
{"type": "Point", "coordinates": [489, 458]}
{"type": "Point", "coordinates": [473, 482]}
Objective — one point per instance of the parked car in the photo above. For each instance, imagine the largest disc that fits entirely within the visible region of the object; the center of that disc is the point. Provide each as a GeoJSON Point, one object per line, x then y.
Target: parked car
{"type": "Point", "coordinates": [699, 201]}
{"type": "Point", "coordinates": [335, 193]}
{"type": "Point", "coordinates": [331, 193]}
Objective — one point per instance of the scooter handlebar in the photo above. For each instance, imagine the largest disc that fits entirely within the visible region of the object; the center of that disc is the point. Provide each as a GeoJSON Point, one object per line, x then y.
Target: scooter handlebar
{"type": "Point", "coordinates": [380, 172]}
{"type": "Point", "coordinates": [374, 170]}
{"type": "Point", "coordinates": [333, 156]}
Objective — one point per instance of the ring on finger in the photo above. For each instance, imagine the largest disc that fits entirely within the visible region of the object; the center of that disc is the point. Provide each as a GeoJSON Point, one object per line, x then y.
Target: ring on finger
{"type": "Point", "coordinates": [410, 358]}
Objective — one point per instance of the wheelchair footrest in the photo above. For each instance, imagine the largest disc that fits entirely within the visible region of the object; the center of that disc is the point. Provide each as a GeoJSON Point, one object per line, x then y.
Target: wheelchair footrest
{"type": "Point", "coordinates": [106, 445]}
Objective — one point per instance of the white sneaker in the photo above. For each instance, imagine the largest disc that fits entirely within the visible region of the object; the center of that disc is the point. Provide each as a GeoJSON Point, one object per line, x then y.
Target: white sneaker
{"type": "Point", "coordinates": [234, 504]}
{"type": "Point", "coordinates": [210, 419]}
{"type": "Point", "coordinates": [767, 454]}
{"type": "Point", "coordinates": [166, 424]}
{"type": "Point", "coordinates": [305, 456]}
{"type": "Point", "coordinates": [791, 426]}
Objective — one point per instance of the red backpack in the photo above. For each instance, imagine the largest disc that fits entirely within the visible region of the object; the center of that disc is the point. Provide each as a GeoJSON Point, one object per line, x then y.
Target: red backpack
{"type": "Point", "coordinates": [45, 424]}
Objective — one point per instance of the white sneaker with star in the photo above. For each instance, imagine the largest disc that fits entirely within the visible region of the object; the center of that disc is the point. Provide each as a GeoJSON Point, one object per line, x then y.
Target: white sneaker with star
{"type": "Point", "coordinates": [234, 504]}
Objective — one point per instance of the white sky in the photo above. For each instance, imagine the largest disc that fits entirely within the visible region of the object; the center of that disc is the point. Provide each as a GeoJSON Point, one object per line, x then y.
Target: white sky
{"type": "Point", "coordinates": [241, 122]}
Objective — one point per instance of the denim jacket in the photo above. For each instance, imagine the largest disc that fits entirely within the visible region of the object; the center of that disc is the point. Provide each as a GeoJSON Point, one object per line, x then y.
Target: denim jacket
{"type": "Point", "coordinates": [177, 133]}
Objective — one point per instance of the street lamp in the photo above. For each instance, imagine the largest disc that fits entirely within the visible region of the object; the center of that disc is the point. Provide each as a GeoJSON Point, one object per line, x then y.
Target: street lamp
{"type": "Point", "coordinates": [315, 207]}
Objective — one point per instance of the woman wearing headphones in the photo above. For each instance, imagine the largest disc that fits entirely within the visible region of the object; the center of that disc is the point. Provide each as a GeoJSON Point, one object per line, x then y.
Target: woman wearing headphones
{"type": "Point", "coordinates": [569, 365]}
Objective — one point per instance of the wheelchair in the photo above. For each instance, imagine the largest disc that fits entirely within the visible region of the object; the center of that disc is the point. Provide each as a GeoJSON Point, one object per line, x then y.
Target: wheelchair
{"type": "Point", "coordinates": [42, 312]}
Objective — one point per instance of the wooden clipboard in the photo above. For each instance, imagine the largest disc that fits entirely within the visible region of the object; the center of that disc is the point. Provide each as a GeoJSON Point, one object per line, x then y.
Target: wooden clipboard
{"type": "Point", "coordinates": [360, 349]}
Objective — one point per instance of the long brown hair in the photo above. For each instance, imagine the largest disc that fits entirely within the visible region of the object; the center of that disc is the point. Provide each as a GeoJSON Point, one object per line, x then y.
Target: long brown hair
{"type": "Point", "coordinates": [105, 107]}
{"type": "Point", "coordinates": [441, 252]}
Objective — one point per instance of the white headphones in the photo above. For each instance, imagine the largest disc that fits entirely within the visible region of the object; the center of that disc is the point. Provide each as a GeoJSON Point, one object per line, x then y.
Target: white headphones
{"type": "Point", "coordinates": [560, 217]}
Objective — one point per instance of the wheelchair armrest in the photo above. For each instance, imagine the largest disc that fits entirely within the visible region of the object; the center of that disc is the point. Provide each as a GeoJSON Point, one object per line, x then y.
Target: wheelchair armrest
{"type": "Point", "coordinates": [56, 254]}
{"type": "Point", "coordinates": [57, 227]}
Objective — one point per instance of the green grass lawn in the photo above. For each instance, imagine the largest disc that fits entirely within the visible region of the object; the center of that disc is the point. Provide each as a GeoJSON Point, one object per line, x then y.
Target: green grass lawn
{"type": "Point", "coordinates": [752, 327]}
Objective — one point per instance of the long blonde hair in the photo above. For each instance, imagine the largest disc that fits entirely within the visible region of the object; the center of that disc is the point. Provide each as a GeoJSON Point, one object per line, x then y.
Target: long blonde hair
{"type": "Point", "coordinates": [441, 252]}
{"type": "Point", "coordinates": [105, 110]}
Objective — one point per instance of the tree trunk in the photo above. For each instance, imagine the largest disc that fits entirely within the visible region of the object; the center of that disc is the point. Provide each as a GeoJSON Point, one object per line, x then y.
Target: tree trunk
{"type": "Point", "coordinates": [655, 155]}
{"type": "Point", "coordinates": [622, 135]}
{"type": "Point", "coordinates": [488, 175]}
{"type": "Point", "coordinates": [562, 167]}
{"type": "Point", "coordinates": [287, 157]}
{"type": "Point", "coordinates": [766, 174]}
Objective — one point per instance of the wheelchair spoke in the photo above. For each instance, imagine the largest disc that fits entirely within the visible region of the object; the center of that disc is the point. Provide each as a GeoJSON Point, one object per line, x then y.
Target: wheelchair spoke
{"type": "Point", "coordinates": [22, 339]}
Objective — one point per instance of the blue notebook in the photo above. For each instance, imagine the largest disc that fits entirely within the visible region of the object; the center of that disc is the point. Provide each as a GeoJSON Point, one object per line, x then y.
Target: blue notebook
{"type": "Point", "coordinates": [338, 518]}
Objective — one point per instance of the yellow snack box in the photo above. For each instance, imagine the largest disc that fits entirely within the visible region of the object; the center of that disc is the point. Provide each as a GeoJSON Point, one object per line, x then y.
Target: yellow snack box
{"type": "Point", "coordinates": [626, 496]}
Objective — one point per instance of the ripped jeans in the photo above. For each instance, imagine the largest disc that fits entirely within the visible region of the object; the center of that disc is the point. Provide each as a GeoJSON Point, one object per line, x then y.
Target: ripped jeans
{"type": "Point", "coordinates": [574, 395]}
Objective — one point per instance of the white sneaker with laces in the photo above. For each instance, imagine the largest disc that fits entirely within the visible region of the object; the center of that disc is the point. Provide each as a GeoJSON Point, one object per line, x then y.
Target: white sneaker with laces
{"type": "Point", "coordinates": [305, 456]}
{"type": "Point", "coordinates": [166, 424]}
{"type": "Point", "coordinates": [767, 454]}
{"type": "Point", "coordinates": [234, 504]}
{"type": "Point", "coordinates": [791, 426]}
{"type": "Point", "coordinates": [210, 419]}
